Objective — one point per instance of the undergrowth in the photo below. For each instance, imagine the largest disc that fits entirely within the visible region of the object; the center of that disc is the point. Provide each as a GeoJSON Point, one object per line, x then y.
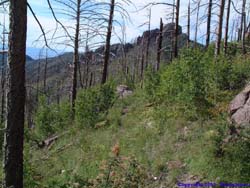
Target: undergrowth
{"type": "Point", "coordinates": [173, 128]}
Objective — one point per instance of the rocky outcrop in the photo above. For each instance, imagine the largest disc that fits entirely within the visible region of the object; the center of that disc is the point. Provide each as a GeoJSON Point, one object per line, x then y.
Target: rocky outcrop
{"type": "Point", "coordinates": [168, 32]}
{"type": "Point", "coordinates": [123, 91]}
{"type": "Point", "coordinates": [116, 49]}
{"type": "Point", "coordinates": [239, 108]}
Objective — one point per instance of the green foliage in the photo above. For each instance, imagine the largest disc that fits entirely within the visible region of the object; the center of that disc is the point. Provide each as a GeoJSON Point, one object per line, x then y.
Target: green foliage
{"type": "Point", "coordinates": [91, 104]}
{"type": "Point", "coordinates": [184, 83]}
{"type": "Point", "coordinates": [192, 84]}
{"type": "Point", "coordinates": [231, 155]}
{"type": "Point", "coordinates": [50, 118]}
{"type": "Point", "coordinates": [120, 172]}
{"type": "Point", "coordinates": [152, 82]}
{"type": "Point", "coordinates": [158, 134]}
{"type": "Point", "coordinates": [29, 170]}
{"type": "Point", "coordinates": [230, 74]}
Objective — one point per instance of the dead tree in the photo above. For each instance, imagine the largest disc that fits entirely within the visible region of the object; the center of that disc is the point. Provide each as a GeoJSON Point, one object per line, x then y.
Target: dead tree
{"type": "Point", "coordinates": [173, 11]}
{"type": "Point", "coordinates": [243, 26]}
{"type": "Point", "coordinates": [188, 24]}
{"type": "Point", "coordinates": [159, 49]}
{"type": "Point", "coordinates": [148, 39]}
{"type": "Point", "coordinates": [45, 72]}
{"type": "Point", "coordinates": [142, 59]}
{"type": "Point", "coordinates": [3, 71]}
{"type": "Point", "coordinates": [75, 56]}
{"type": "Point", "coordinates": [176, 28]}
{"type": "Point", "coordinates": [220, 25]}
{"type": "Point", "coordinates": [14, 135]}
{"type": "Point", "coordinates": [38, 79]}
{"type": "Point", "coordinates": [227, 26]}
{"type": "Point", "coordinates": [197, 22]}
{"type": "Point", "coordinates": [107, 45]}
{"type": "Point", "coordinates": [209, 17]}
{"type": "Point", "coordinates": [84, 13]}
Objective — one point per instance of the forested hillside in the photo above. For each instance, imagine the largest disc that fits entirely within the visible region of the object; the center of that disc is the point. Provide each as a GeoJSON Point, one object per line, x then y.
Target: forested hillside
{"type": "Point", "coordinates": [170, 108]}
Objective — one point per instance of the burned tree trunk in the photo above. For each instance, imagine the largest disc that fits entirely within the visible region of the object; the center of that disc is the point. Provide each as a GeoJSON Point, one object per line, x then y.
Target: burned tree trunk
{"type": "Point", "coordinates": [159, 46]}
{"type": "Point", "coordinates": [3, 72]}
{"type": "Point", "coordinates": [197, 23]}
{"type": "Point", "coordinates": [209, 16]}
{"type": "Point", "coordinates": [38, 80]}
{"type": "Point", "coordinates": [148, 39]}
{"type": "Point", "coordinates": [45, 74]}
{"type": "Point", "coordinates": [227, 27]}
{"type": "Point", "coordinates": [188, 24]}
{"type": "Point", "coordinates": [220, 24]}
{"type": "Point", "coordinates": [80, 74]}
{"type": "Point", "coordinates": [176, 29]}
{"type": "Point", "coordinates": [107, 46]}
{"type": "Point", "coordinates": [14, 136]}
{"type": "Point", "coordinates": [76, 56]}
{"type": "Point", "coordinates": [243, 26]}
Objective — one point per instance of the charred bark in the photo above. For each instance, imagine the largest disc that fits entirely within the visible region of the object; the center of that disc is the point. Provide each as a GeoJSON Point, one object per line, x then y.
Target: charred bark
{"type": "Point", "coordinates": [220, 25]}
{"type": "Point", "coordinates": [227, 27]}
{"type": "Point", "coordinates": [76, 57]}
{"type": "Point", "coordinates": [209, 16]}
{"type": "Point", "coordinates": [159, 49]}
{"type": "Point", "coordinates": [14, 135]}
{"type": "Point", "coordinates": [107, 46]}
{"type": "Point", "coordinates": [176, 29]}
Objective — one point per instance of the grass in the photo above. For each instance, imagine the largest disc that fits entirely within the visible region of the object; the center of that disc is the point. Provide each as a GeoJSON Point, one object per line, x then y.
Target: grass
{"type": "Point", "coordinates": [171, 148]}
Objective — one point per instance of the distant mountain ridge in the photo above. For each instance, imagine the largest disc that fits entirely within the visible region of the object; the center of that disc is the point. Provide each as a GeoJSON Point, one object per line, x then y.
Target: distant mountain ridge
{"type": "Point", "coordinates": [59, 68]}
{"type": "Point", "coordinates": [28, 58]}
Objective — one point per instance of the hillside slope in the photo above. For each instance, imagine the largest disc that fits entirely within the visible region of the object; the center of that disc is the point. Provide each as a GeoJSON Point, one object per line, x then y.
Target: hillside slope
{"type": "Point", "coordinates": [59, 69]}
{"type": "Point", "coordinates": [153, 138]}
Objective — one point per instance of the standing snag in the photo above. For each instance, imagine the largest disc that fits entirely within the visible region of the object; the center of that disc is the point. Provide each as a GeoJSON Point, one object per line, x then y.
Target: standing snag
{"type": "Point", "coordinates": [220, 25]}
{"type": "Point", "coordinates": [209, 16]}
{"type": "Point", "coordinates": [108, 39]}
{"type": "Point", "coordinates": [176, 28]}
{"type": "Point", "coordinates": [14, 136]}
{"type": "Point", "coordinates": [159, 49]}
{"type": "Point", "coordinates": [227, 26]}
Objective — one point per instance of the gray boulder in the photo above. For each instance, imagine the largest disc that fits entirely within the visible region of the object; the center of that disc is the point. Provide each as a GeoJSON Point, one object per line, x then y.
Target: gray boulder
{"type": "Point", "coordinates": [123, 91]}
{"type": "Point", "coordinates": [239, 108]}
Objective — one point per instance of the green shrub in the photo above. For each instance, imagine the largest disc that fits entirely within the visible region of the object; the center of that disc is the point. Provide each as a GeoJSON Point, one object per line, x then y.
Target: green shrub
{"type": "Point", "coordinates": [184, 83]}
{"type": "Point", "coordinates": [195, 82]}
{"type": "Point", "coordinates": [233, 161]}
{"type": "Point", "coordinates": [91, 104]}
{"type": "Point", "coordinates": [152, 82]}
{"type": "Point", "coordinates": [50, 118]}
{"type": "Point", "coordinates": [120, 172]}
{"type": "Point", "coordinates": [230, 74]}
{"type": "Point", "coordinates": [29, 171]}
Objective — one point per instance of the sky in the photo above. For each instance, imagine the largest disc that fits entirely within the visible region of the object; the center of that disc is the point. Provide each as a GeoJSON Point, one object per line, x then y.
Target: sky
{"type": "Point", "coordinates": [132, 30]}
{"type": "Point", "coordinates": [41, 9]}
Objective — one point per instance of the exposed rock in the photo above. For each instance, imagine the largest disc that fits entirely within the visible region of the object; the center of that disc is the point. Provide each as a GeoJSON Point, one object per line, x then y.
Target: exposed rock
{"type": "Point", "coordinates": [123, 91]}
{"type": "Point", "coordinates": [168, 32]}
{"type": "Point", "coordinates": [239, 108]}
{"type": "Point", "coordinates": [116, 49]}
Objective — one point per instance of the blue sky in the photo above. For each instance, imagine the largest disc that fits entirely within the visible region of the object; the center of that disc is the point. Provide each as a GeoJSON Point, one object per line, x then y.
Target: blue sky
{"type": "Point", "coordinates": [42, 11]}
{"type": "Point", "coordinates": [132, 29]}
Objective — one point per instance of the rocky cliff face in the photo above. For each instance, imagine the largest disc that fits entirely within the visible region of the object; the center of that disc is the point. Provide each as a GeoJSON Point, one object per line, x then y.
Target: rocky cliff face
{"type": "Point", "coordinates": [239, 108]}
{"type": "Point", "coordinates": [168, 32]}
{"type": "Point", "coordinates": [117, 50]}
